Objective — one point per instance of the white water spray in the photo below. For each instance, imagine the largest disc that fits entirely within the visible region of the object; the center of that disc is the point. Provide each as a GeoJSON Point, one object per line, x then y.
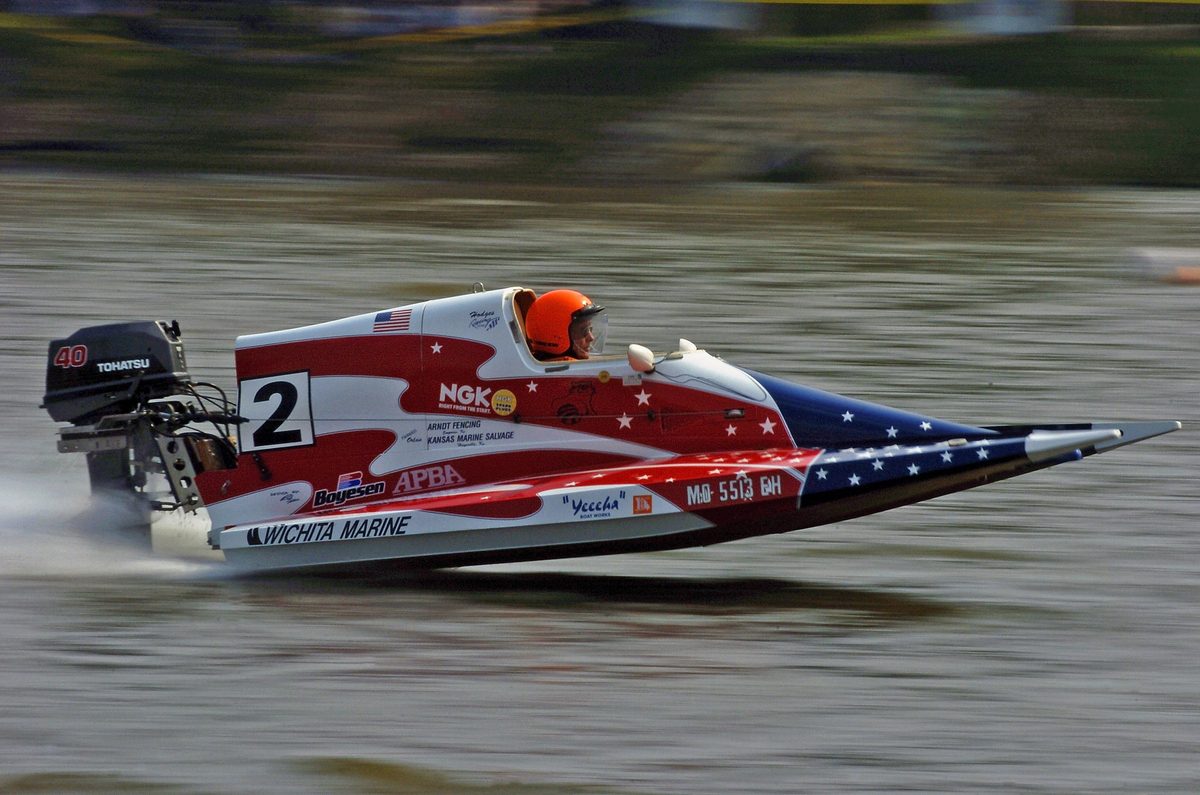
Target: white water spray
{"type": "Point", "coordinates": [48, 533]}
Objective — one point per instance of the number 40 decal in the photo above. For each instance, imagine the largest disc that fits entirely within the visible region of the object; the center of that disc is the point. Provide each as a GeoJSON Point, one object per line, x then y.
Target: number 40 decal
{"type": "Point", "coordinates": [71, 356]}
{"type": "Point", "coordinates": [278, 412]}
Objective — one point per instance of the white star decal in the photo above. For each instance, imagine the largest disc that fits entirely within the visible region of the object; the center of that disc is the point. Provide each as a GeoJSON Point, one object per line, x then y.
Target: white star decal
{"type": "Point", "coordinates": [767, 426]}
{"type": "Point", "coordinates": [436, 347]}
{"type": "Point", "coordinates": [847, 417]}
{"type": "Point", "coordinates": [643, 398]}
{"type": "Point", "coordinates": [982, 453]}
{"type": "Point", "coordinates": [854, 480]}
{"type": "Point", "coordinates": [670, 480]}
{"type": "Point", "coordinates": [742, 474]}
{"type": "Point", "coordinates": [865, 454]}
{"type": "Point", "coordinates": [714, 471]}
{"type": "Point", "coordinates": [913, 469]}
{"type": "Point", "coordinates": [892, 432]}
{"type": "Point", "coordinates": [878, 465]}
{"type": "Point", "coordinates": [731, 431]}
{"type": "Point", "coordinates": [643, 477]}
{"type": "Point", "coordinates": [626, 421]}
{"type": "Point", "coordinates": [947, 457]}
{"type": "Point", "coordinates": [573, 483]}
{"type": "Point", "coordinates": [532, 385]}
{"type": "Point", "coordinates": [821, 473]}
{"type": "Point", "coordinates": [925, 426]}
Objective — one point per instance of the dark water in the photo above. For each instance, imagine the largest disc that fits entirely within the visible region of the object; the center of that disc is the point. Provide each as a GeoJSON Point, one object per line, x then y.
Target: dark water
{"type": "Point", "coordinates": [1040, 635]}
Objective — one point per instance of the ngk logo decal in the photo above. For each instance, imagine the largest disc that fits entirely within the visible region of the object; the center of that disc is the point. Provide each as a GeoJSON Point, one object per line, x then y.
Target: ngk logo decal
{"type": "Point", "coordinates": [475, 399]}
{"type": "Point", "coordinates": [433, 477]}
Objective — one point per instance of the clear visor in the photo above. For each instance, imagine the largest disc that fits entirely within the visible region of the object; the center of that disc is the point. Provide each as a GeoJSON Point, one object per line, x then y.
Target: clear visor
{"type": "Point", "coordinates": [588, 333]}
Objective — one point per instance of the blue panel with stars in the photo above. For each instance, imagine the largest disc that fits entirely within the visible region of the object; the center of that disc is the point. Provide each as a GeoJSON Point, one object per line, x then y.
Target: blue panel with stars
{"type": "Point", "coordinates": [825, 420]}
{"type": "Point", "coordinates": [863, 468]}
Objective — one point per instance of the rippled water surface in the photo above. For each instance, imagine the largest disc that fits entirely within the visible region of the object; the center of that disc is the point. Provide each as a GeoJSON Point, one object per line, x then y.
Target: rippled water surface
{"type": "Point", "coordinates": [1039, 635]}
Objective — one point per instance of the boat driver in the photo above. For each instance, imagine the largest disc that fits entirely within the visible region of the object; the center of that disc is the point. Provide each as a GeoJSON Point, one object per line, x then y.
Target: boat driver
{"type": "Point", "coordinates": [565, 324]}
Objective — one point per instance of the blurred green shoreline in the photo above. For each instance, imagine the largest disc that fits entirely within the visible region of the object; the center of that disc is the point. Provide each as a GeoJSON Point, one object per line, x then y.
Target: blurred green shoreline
{"type": "Point", "coordinates": [601, 100]}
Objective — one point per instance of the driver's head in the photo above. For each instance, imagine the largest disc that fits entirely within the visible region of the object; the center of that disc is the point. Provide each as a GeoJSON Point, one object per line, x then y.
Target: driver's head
{"type": "Point", "coordinates": [566, 323]}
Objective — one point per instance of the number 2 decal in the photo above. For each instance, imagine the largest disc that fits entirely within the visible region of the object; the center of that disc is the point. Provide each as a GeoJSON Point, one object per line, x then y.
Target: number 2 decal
{"type": "Point", "coordinates": [278, 412]}
{"type": "Point", "coordinates": [268, 434]}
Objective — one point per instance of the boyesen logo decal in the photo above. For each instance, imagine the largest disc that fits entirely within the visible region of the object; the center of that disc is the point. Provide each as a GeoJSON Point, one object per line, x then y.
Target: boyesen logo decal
{"type": "Point", "coordinates": [350, 487]}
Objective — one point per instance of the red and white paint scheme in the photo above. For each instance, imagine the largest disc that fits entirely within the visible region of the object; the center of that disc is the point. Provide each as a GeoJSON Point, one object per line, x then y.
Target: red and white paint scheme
{"type": "Point", "coordinates": [429, 435]}
{"type": "Point", "coordinates": [464, 446]}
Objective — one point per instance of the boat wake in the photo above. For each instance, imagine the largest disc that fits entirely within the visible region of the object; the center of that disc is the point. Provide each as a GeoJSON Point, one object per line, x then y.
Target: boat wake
{"type": "Point", "coordinates": [46, 534]}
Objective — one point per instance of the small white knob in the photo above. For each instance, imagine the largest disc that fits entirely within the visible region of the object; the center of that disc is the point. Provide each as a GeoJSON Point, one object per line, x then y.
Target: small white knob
{"type": "Point", "coordinates": [641, 359]}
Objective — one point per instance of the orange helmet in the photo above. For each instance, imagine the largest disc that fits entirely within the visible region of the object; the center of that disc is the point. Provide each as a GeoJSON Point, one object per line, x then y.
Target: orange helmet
{"type": "Point", "coordinates": [548, 321]}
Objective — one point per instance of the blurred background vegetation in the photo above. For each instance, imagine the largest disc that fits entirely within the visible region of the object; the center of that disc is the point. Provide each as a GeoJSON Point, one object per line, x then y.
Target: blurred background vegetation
{"type": "Point", "coordinates": [601, 94]}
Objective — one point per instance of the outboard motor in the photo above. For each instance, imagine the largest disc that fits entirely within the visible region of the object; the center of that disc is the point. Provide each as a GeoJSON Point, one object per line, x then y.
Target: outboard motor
{"type": "Point", "coordinates": [111, 369]}
{"type": "Point", "coordinates": [133, 410]}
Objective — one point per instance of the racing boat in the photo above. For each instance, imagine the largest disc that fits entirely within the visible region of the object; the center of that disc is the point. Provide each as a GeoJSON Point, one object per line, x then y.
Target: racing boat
{"type": "Point", "coordinates": [431, 435]}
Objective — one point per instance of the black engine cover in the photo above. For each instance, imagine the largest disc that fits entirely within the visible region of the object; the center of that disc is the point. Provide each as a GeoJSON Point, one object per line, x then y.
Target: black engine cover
{"type": "Point", "coordinates": [112, 369]}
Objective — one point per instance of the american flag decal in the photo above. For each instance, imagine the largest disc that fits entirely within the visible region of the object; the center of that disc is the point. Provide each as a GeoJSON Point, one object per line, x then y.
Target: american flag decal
{"type": "Point", "coordinates": [396, 320]}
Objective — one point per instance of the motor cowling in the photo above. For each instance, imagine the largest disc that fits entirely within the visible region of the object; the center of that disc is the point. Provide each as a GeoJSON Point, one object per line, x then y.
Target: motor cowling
{"type": "Point", "coordinates": [113, 369]}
